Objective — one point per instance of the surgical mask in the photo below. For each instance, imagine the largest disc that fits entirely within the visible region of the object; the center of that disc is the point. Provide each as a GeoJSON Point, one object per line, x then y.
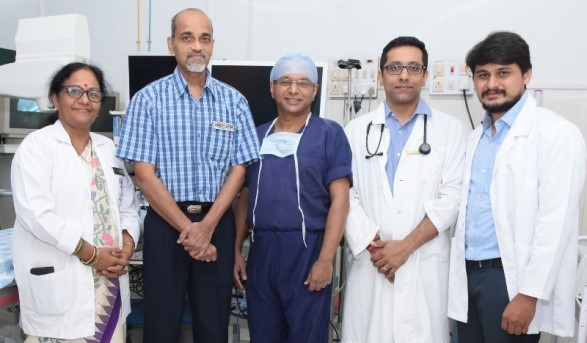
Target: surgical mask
{"type": "Point", "coordinates": [281, 144]}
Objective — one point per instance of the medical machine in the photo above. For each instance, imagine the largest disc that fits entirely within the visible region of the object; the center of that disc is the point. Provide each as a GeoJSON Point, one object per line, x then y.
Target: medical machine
{"type": "Point", "coordinates": [43, 45]}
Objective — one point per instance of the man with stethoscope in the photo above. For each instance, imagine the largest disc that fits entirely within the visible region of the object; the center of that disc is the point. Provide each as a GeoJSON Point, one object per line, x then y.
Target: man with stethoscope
{"type": "Point", "coordinates": [407, 167]}
{"type": "Point", "coordinates": [295, 200]}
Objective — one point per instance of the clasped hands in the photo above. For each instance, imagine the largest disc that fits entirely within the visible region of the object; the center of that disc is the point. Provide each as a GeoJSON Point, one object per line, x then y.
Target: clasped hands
{"type": "Point", "coordinates": [113, 261]}
{"type": "Point", "coordinates": [195, 239]}
{"type": "Point", "coordinates": [388, 256]}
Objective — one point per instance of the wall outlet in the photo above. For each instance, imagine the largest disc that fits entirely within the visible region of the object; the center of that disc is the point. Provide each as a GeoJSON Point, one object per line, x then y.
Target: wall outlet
{"type": "Point", "coordinates": [439, 69]}
{"type": "Point", "coordinates": [438, 85]}
{"type": "Point", "coordinates": [334, 88]}
{"type": "Point", "coordinates": [464, 83]}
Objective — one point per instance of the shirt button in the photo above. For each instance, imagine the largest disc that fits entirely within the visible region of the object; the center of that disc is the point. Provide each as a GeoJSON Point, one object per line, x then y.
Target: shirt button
{"type": "Point", "coordinates": [398, 154]}
{"type": "Point", "coordinates": [400, 131]}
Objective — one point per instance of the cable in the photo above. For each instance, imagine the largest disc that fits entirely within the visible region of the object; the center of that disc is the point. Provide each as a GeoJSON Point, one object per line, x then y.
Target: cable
{"type": "Point", "coordinates": [138, 26]}
{"type": "Point", "coordinates": [149, 39]}
{"type": "Point", "coordinates": [337, 339]}
{"type": "Point", "coordinates": [371, 92]}
{"type": "Point", "coordinates": [468, 111]}
{"type": "Point", "coordinates": [135, 279]}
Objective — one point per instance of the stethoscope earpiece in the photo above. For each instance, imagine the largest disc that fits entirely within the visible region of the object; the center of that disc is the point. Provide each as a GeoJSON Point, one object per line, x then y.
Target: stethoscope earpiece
{"type": "Point", "coordinates": [424, 148]}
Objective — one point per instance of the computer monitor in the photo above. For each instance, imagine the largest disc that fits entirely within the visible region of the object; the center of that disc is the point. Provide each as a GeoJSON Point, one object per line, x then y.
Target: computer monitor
{"type": "Point", "coordinates": [251, 78]}
{"type": "Point", "coordinates": [144, 69]}
{"type": "Point", "coordinates": [16, 121]}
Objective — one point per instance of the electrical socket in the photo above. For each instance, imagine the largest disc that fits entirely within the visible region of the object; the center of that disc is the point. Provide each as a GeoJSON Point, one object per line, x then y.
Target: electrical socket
{"type": "Point", "coordinates": [334, 88]}
{"type": "Point", "coordinates": [451, 85]}
{"type": "Point", "coordinates": [437, 85]}
{"type": "Point", "coordinates": [438, 69]}
{"type": "Point", "coordinates": [464, 83]}
{"type": "Point", "coordinates": [335, 75]}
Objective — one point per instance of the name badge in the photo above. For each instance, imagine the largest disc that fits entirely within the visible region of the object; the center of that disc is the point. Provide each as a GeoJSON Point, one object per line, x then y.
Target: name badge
{"type": "Point", "coordinates": [223, 126]}
{"type": "Point", "coordinates": [118, 171]}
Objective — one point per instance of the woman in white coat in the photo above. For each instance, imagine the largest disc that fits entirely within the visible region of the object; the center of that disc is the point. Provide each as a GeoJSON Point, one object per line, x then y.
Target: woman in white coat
{"type": "Point", "coordinates": [384, 303]}
{"type": "Point", "coordinates": [76, 220]}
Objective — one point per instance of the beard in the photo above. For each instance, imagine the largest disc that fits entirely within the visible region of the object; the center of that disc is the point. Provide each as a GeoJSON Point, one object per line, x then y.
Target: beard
{"type": "Point", "coordinates": [503, 107]}
{"type": "Point", "coordinates": [196, 67]}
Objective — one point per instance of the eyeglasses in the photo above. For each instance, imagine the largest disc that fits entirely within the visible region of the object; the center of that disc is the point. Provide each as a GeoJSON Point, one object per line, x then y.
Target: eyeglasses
{"type": "Point", "coordinates": [286, 83]}
{"type": "Point", "coordinates": [94, 95]}
{"type": "Point", "coordinates": [413, 68]}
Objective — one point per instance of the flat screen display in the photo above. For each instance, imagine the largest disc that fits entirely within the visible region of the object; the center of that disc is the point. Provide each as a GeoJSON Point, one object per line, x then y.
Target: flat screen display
{"type": "Point", "coordinates": [251, 78]}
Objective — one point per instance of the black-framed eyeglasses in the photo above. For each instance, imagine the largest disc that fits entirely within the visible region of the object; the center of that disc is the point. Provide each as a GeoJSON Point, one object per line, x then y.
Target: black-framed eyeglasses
{"type": "Point", "coordinates": [94, 95]}
{"type": "Point", "coordinates": [286, 83]}
{"type": "Point", "coordinates": [412, 68]}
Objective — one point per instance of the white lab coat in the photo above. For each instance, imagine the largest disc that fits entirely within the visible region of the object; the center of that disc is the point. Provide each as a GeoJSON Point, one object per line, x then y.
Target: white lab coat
{"type": "Point", "coordinates": [413, 309]}
{"type": "Point", "coordinates": [537, 180]}
{"type": "Point", "coordinates": [53, 210]}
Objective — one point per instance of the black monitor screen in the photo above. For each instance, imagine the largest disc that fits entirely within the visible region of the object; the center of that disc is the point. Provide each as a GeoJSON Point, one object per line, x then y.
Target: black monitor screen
{"type": "Point", "coordinates": [252, 80]}
{"type": "Point", "coordinates": [249, 78]}
{"type": "Point", "coordinates": [143, 70]}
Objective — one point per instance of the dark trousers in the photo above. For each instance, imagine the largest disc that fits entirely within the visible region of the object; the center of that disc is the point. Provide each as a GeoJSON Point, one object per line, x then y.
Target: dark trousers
{"type": "Point", "coordinates": [281, 309]}
{"type": "Point", "coordinates": [488, 299]}
{"type": "Point", "coordinates": [170, 273]}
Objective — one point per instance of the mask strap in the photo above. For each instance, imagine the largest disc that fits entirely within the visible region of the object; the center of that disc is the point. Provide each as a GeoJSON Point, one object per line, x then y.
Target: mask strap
{"type": "Point", "coordinates": [298, 182]}
{"type": "Point", "coordinates": [259, 183]}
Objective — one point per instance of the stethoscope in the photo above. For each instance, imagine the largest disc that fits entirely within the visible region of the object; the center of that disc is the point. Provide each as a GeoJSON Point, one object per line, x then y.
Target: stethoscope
{"type": "Point", "coordinates": [424, 148]}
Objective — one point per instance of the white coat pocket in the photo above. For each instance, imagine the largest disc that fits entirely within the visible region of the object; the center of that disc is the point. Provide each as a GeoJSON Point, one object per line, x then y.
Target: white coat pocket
{"type": "Point", "coordinates": [50, 292]}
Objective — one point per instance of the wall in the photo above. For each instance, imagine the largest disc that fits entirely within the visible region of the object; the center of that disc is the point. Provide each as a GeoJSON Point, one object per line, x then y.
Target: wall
{"type": "Point", "coordinates": [327, 30]}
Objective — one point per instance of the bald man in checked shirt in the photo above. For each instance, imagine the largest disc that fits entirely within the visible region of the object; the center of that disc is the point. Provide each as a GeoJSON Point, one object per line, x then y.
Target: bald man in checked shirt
{"type": "Point", "coordinates": [190, 138]}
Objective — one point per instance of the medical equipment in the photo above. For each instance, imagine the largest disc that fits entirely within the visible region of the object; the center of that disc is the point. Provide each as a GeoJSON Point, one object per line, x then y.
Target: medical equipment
{"type": "Point", "coordinates": [424, 148]}
{"type": "Point", "coordinates": [43, 45]}
{"type": "Point", "coordinates": [348, 104]}
{"type": "Point", "coordinates": [377, 152]}
{"type": "Point", "coordinates": [251, 78]}
{"type": "Point", "coordinates": [17, 123]}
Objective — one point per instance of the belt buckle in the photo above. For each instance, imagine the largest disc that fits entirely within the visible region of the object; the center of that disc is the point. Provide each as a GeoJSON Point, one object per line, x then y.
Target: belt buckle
{"type": "Point", "coordinates": [194, 209]}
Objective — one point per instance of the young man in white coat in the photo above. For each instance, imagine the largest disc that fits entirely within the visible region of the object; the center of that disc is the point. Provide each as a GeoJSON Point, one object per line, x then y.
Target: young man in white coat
{"type": "Point", "coordinates": [514, 252]}
{"type": "Point", "coordinates": [408, 163]}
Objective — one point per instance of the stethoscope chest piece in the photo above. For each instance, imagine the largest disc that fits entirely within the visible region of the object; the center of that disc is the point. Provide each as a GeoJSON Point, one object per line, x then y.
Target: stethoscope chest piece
{"type": "Point", "coordinates": [424, 148]}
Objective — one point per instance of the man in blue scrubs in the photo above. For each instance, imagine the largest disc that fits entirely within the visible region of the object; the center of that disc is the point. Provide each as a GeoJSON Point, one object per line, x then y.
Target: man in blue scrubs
{"type": "Point", "coordinates": [295, 202]}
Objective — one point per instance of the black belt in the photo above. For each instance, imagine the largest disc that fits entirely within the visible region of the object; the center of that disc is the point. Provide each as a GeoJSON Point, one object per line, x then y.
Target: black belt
{"type": "Point", "coordinates": [194, 207]}
{"type": "Point", "coordinates": [494, 262]}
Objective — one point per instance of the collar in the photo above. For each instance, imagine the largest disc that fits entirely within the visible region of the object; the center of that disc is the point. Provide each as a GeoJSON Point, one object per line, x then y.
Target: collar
{"type": "Point", "coordinates": [62, 136]}
{"type": "Point", "coordinates": [510, 116]}
{"type": "Point", "coordinates": [181, 86]}
{"type": "Point", "coordinates": [422, 108]}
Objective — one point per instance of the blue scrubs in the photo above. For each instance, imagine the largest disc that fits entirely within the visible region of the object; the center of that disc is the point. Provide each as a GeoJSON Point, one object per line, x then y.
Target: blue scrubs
{"type": "Point", "coordinates": [280, 306]}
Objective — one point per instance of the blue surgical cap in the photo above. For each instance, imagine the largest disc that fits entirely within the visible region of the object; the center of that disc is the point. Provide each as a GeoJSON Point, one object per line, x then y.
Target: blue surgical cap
{"type": "Point", "coordinates": [294, 63]}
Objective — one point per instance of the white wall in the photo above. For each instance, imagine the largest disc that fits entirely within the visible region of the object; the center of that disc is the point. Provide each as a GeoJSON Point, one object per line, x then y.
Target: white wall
{"type": "Point", "coordinates": [327, 29]}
